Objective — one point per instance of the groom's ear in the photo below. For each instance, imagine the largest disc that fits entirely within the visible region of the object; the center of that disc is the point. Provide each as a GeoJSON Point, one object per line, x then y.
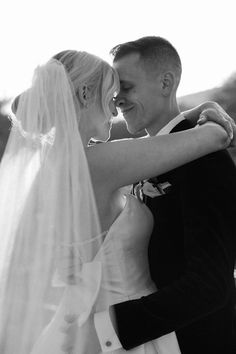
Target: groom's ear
{"type": "Point", "coordinates": [168, 83]}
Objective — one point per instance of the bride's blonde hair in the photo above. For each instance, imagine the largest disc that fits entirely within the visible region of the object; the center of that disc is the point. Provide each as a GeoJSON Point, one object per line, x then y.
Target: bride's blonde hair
{"type": "Point", "coordinates": [85, 69]}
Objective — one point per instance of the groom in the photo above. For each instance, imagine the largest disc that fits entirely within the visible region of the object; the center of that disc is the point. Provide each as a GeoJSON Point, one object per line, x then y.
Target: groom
{"type": "Point", "coordinates": [192, 249]}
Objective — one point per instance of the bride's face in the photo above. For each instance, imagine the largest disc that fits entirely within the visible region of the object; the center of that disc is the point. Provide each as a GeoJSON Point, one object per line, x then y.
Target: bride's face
{"type": "Point", "coordinates": [102, 121]}
{"type": "Point", "coordinates": [102, 118]}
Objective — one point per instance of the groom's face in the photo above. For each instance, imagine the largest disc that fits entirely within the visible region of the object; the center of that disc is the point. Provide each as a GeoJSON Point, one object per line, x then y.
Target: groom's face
{"type": "Point", "coordinates": [140, 98]}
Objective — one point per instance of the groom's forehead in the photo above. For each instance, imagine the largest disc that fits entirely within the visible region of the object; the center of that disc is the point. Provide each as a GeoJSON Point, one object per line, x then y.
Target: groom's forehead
{"type": "Point", "coordinates": [129, 68]}
{"type": "Point", "coordinates": [127, 60]}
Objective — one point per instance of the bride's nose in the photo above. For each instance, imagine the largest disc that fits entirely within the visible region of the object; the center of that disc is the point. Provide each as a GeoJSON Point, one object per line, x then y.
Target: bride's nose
{"type": "Point", "coordinates": [119, 101]}
{"type": "Point", "coordinates": [113, 109]}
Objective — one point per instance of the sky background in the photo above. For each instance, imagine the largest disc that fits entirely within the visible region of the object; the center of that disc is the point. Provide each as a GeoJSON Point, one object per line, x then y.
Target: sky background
{"type": "Point", "coordinates": [203, 32]}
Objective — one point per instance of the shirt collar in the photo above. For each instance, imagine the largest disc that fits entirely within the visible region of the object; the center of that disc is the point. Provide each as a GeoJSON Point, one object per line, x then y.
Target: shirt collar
{"type": "Point", "coordinates": [168, 127]}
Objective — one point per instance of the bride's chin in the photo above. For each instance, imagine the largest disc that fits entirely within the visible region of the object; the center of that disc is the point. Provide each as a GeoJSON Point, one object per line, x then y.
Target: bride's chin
{"type": "Point", "coordinates": [102, 138]}
{"type": "Point", "coordinates": [107, 132]}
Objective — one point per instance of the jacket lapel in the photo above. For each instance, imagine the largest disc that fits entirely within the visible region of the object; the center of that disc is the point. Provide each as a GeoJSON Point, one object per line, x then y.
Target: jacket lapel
{"type": "Point", "coordinates": [183, 125]}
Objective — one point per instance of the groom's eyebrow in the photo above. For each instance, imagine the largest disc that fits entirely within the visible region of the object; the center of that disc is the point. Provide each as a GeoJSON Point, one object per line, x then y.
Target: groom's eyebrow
{"type": "Point", "coordinates": [125, 82]}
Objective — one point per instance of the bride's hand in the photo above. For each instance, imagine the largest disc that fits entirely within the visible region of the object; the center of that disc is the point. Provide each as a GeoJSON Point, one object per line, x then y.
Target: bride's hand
{"type": "Point", "coordinates": [212, 111]}
{"type": "Point", "coordinates": [70, 331]}
{"type": "Point", "coordinates": [80, 340]}
{"type": "Point", "coordinates": [220, 117]}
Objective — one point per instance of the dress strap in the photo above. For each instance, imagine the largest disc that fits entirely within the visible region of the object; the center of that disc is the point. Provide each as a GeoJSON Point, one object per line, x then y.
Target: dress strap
{"type": "Point", "coordinates": [74, 244]}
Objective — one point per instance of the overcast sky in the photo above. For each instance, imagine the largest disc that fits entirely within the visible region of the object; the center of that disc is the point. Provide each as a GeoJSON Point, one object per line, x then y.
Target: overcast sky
{"type": "Point", "coordinates": [202, 31]}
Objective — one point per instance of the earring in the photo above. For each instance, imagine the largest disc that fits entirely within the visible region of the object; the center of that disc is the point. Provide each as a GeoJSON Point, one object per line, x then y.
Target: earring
{"type": "Point", "coordinates": [84, 92]}
{"type": "Point", "coordinates": [85, 98]}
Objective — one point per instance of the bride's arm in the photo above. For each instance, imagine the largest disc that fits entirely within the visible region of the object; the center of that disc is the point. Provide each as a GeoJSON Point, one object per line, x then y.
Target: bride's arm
{"type": "Point", "coordinates": [122, 162]}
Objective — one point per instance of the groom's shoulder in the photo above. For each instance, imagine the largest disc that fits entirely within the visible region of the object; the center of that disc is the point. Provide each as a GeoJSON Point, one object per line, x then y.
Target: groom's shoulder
{"type": "Point", "coordinates": [217, 166]}
{"type": "Point", "coordinates": [218, 157]}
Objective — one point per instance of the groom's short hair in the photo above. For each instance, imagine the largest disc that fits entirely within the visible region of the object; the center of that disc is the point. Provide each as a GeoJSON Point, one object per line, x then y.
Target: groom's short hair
{"type": "Point", "coordinates": [154, 51]}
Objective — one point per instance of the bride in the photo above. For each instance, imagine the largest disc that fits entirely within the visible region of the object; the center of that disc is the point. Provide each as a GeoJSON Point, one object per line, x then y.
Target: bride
{"type": "Point", "coordinates": [72, 242]}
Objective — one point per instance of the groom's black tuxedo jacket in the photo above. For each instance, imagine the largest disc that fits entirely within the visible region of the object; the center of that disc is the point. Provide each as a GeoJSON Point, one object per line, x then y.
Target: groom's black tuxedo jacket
{"type": "Point", "coordinates": [192, 255]}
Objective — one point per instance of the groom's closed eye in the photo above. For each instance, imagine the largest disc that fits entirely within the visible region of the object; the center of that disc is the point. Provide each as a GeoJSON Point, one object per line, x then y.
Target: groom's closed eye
{"type": "Point", "coordinates": [125, 88]}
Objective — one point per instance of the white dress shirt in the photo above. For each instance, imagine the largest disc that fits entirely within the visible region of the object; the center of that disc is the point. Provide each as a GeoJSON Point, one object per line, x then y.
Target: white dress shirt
{"type": "Point", "coordinates": [168, 127]}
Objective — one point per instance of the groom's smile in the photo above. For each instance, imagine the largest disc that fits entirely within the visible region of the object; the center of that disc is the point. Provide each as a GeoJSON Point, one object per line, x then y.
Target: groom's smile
{"type": "Point", "coordinates": [126, 111]}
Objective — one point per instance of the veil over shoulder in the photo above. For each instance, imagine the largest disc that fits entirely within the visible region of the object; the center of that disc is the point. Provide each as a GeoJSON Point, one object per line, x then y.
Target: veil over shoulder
{"type": "Point", "coordinates": [49, 225]}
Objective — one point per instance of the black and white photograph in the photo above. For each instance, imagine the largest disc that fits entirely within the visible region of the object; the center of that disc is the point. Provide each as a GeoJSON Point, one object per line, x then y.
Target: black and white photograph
{"type": "Point", "coordinates": [117, 177]}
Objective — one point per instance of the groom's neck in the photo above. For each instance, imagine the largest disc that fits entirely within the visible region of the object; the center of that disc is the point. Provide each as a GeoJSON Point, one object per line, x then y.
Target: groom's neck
{"type": "Point", "coordinates": [162, 120]}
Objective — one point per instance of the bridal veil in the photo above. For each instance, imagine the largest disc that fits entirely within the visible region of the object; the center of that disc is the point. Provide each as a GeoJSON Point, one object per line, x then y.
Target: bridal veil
{"type": "Point", "coordinates": [49, 227]}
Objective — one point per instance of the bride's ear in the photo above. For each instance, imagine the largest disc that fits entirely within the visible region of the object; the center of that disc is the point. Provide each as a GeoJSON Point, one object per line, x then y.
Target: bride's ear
{"type": "Point", "coordinates": [84, 95]}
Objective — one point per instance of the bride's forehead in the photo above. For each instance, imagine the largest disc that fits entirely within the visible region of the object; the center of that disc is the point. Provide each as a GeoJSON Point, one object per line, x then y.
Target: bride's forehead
{"type": "Point", "coordinates": [113, 79]}
{"type": "Point", "coordinates": [116, 79]}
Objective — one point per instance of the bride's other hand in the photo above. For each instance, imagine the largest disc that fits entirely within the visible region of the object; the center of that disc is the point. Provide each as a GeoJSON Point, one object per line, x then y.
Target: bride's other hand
{"type": "Point", "coordinates": [80, 340]}
{"type": "Point", "coordinates": [70, 331]}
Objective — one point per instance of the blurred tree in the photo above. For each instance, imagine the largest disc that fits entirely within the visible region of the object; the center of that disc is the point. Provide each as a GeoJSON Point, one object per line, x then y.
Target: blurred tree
{"type": "Point", "coordinates": [5, 126]}
{"type": "Point", "coordinates": [226, 97]}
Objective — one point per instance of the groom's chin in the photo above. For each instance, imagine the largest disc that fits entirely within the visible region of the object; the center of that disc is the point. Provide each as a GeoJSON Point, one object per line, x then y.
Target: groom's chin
{"type": "Point", "coordinates": [135, 131]}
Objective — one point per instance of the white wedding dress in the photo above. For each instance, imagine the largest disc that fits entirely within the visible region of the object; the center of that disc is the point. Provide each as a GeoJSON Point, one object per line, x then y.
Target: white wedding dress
{"type": "Point", "coordinates": [124, 276]}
